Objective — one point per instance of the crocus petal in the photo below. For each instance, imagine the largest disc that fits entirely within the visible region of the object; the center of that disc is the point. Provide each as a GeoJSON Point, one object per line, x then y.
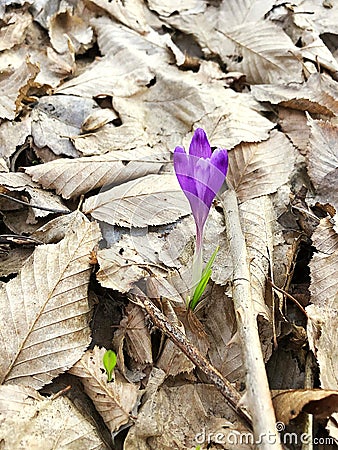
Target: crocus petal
{"type": "Point", "coordinates": [219, 159]}
{"type": "Point", "coordinates": [199, 145]}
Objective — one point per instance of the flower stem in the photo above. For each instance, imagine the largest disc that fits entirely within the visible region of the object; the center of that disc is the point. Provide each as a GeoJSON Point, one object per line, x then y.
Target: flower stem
{"type": "Point", "coordinates": [197, 265]}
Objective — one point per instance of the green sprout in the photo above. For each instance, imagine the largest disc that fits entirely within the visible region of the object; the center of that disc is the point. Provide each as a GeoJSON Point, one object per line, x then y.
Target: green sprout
{"type": "Point", "coordinates": [200, 288]}
{"type": "Point", "coordinates": [109, 362]}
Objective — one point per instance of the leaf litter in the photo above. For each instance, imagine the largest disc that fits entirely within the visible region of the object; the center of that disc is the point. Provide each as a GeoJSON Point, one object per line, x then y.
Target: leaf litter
{"type": "Point", "coordinates": [95, 97]}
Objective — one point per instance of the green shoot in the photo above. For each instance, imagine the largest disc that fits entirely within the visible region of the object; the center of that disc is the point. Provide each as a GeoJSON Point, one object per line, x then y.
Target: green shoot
{"type": "Point", "coordinates": [109, 362]}
{"type": "Point", "coordinates": [200, 288]}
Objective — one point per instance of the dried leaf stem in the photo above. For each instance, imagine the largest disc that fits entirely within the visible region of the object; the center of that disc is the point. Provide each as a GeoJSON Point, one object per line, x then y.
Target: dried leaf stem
{"type": "Point", "coordinates": [183, 343]}
{"type": "Point", "coordinates": [43, 208]}
{"type": "Point", "coordinates": [259, 398]}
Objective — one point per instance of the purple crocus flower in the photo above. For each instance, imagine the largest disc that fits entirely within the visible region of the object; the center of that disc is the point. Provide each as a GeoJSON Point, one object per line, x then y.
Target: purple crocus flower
{"type": "Point", "coordinates": [201, 174]}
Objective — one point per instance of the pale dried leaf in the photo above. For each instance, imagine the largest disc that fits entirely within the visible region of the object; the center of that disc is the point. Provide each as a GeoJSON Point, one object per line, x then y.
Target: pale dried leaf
{"type": "Point", "coordinates": [269, 55]}
{"type": "Point", "coordinates": [13, 28]}
{"type": "Point", "coordinates": [57, 118]}
{"type": "Point", "coordinates": [150, 48]}
{"type": "Point", "coordinates": [257, 220]}
{"type": "Point", "coordinates": [220, 322]}
{"type": "Point", "coordinates": [13, 134]}
{"type": "Point", "coordinates": [13, 261]}
{"type": "Point", "coordinates": [43, 424]}
{"type": "Point", "coordinates": [289, 404]}
{"type": "Point", "coordinates": [150, 200]}
{"type": "Point", "coordinates": [318, 95]}
{"type": "Point", "coordinates": [121, 265]}
{"type": "Point", "coordinates": [130, 135]}
{"type": "Point", "coordinates": [114, 401]}
{"type": "Point", "coordinates": [235, 119]}
{"type": "Point", "coordinates": [294, 125]}
{"type": "Point", "coordinates": [115, 76]}
{"type": "Point", "coordinates": [13, 89]}
{"type": "Point", "coordinates": [323, 313]}
{"type": "Point", "coordinates": [129, 12]}
{"type": "Point", "coordinates": [323, 159]}
{"type": "Point", "coordinates": [73, 177]}
{"type": "Point", "coordinates": [135, 333]}
{"type": "Point", "coordinates": [64, 26]}
{"type": "Point", "coordinates": [45, 314]}
{"type": "Point", "coordinates": [321, 16]}
{"type": "Point", "coordinates": [315, 50]}
{"type": "Point", "coordinates": [259, 169]}
{"type": "Point", "coordinates": [238, 12]}
{"type": "Point", "coordinates": [166, 9]}
{"type": "Point", "coordinates": [189, 414]}
{"type": "Point", "coordinates": [98, 118]}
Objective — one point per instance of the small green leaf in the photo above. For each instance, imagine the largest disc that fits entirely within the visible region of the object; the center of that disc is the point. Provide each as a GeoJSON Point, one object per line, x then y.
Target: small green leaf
{"type": "Point", "coordinates": [109, 362]}
{"type": "Point", "coordinates": [200, 288]}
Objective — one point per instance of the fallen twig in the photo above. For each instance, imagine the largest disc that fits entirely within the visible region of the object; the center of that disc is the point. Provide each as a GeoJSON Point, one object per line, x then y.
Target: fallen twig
{"type": "Point", "coordinates": [183, 343]}
{"type": "Point", "coordinates": [259, 398]}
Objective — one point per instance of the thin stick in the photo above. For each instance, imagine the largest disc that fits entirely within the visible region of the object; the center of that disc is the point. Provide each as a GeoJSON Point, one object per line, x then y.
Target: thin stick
{"type": "Point", "coordinates": [258, 393]}
{"type": "Point", "coordinates": [183, 343]}
{"type": "Point", "coordinates": [43, 208]}
{"type": "Point", "coordinates": [295, 301]}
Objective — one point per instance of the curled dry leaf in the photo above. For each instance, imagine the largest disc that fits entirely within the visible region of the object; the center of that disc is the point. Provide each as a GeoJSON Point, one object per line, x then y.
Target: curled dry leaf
{"type": "Point", "coordinates": [289, 404]}
{"type": "Point", "coordinates": [13, 134]}
{"type": "Point", "coordinates": [225, 350]}
{"type": "Point", "coordinates": [181, 414]}
{"type": "Point", "coordinates": [42, 423]}
{"type": "Point", "coordinates": [13, 28]}
{"type": "Point", "coordinates": [136, 335]}
{"type": "Point", "coordinates": [73, 177]}
{"type": "Point", "coordinates": [45, 314]}
{"type": "Point", "coordinates": [115, 401]}
{"type": "Point", "coordinates": [259, 169]}
{"type": "Point", "coordinates": [13, 89]}
{"type": "Point", "coordinates": [56, 119]}
{"type": "Point", "coordinates": [322, 159]}
{"type": "Point", "coordinates": [150, 200]}
{"type": "Point", "coordinates": [322, 328]}
{"type": "Point", "coordinates": [318, 95]}
{"type": "Point", "coordinates": [64, 26]}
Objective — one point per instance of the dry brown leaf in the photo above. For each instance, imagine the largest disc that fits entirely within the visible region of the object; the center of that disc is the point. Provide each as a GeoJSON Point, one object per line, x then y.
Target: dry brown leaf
{"type": "Point", "coordinates": [13, 134]}
{"type": "Point", "coordinates": [45, 314]}
{"type": "Point", "coordinates": [184, 416]}
{"type": "Point", "coordinates": [116, 400]}
{"type": "Point", "coordinates": [65, 26]}
{"type": "Point", "coordinates": [323, 316]}
{"type": "Point", "coordinates": [71, 178]}
{"type": "Point", "coordinates": [121, 265]}
{"type": "Point", "coordinates": [150, 200]}
{"type": "Point", "coordinates": [116, 75]}
{"type": "Point", "coordinates": [318, 95]}
{"type": "Point", "coordinates": [220, 322]}
{"type": "Point", "coordinates": [13, 261]}
{"type": "Point", "coordinates": [322, 159]}
{"type": "Point", "coordinates": [21, 182]}
{"type": "Point", "coordinates": [289, 404]}
{"type": "Point", "coordinates": [42, 423]}
{"type": "Point", "coordinates": [56, 119]}
{"type": "Point", "coordinates": [321, 16]}
{"type": "Point", "coordinates": [315, 50]}
{"type": "Point", "coordinates": [135, 333]}
{"type": "Point", "coordinates": [268, 53]}
{"type": "Point", "coordinates": [13, 28]}
{"type": "Point", "coordinates": [294, 125]}
{"type": "Point", "coordinates": [166, 9]}
{"type": "Point", "coordinates": [14, 87]}
{"type": "Point", "coordinates": [131, 13]}
{"type": "Point", "coordinates": [259, 169]}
